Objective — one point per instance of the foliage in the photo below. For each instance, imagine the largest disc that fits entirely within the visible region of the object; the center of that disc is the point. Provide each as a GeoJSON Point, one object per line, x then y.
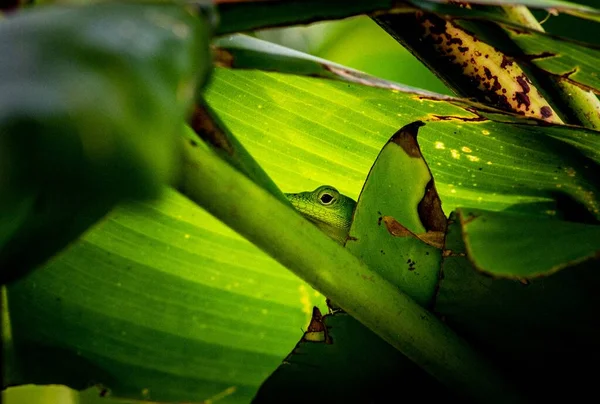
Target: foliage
{"type": "Point", "coordinates": [147, 250]}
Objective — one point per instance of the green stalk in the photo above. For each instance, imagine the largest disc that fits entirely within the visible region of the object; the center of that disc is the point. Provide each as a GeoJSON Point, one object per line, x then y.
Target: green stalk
{"type": "Point", "coordinates": [583, 104]}
{"type": "Point", "coordinates": [282, 233]}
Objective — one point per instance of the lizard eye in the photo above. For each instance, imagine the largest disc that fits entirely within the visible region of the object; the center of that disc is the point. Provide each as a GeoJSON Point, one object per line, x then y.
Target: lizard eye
{"type": "Point", "coordinates": [326, 199]}
{"type": "Point", "coordinates": [327, 195]}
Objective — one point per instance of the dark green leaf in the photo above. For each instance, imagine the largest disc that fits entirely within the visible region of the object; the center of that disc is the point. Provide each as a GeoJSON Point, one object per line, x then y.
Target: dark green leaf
{"type": "Point", "coordinates": [234, 14]}
{"type": "Point", "coordinates": [579, 10]}
{"type": "Point", "coordinates": [542, 333]}
{"type": "Point", "coordinates": [334, 368]}
{"type": "Point", "coordinates": [91, 103]}
{"type": "Point", "coordinates": [513, 246]}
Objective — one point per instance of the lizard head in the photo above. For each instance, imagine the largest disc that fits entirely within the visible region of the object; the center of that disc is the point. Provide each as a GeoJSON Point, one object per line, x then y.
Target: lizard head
{"type": "Point", "coordinates": [327, 208]}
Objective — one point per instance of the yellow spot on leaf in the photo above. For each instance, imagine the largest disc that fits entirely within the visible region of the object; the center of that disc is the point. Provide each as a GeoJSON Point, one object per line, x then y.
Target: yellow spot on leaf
{"type": "Point", "coordinates": [453, 191]}
{"type": "Point", "coordinates": [455, 154]}
{"type": "Point", "coordinates": [439, 146]}
{"type": "Point", "coordinates": [485, 132]}
{"type": "Point", "coordinates": [489, 163]}
{"type": "Point", "coordinates": [187, 236]}
{"type": "Point", "coordinates": [473, 158]}
{"type": "Point", "coordinates": [466, 149]}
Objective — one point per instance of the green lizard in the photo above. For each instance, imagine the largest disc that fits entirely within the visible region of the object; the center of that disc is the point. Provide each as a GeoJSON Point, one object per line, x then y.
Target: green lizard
{"type": "Point", "coordinates": [329, 210]}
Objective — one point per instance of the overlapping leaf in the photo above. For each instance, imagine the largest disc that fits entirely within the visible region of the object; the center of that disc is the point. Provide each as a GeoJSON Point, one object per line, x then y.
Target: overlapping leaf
{"type": "Point", "coordinates": [541, 332]}
{"type": "Point", "coordinates": [516, 246]}
{"type": "Point", "coordinates": [399, 226]}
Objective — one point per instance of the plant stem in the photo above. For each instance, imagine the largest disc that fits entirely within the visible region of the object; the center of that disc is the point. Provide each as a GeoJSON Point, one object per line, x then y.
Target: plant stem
{"type": "Point", "coordinates": [583, 104]}
{"type": "Point", "coordinates": [282, 233]}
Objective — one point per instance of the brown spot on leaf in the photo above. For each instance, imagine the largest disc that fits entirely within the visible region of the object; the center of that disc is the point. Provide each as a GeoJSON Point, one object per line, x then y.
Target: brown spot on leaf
{"type": "Point", "coordinates": [522, 80]}
{"type": "Point", "coordinates": [406, 138]}
{"type": "Point", "coordinates": [430, 210]}
{"type": "Point", "coordinates": [458, 118]}
{"type": "Point", "coordinates": [223, 58]}
{"type": "Point", "coordinates": [432, 238]}
{"type": "Point", "coordinates": [488, 73]}
{"type": "Point", "coordinates": [522, 99]}
{"type": "Point", "coordinates": [506, 61]}
{"type": "Point", "coordinates": [542, 55]}
{"type": "Point", "coordinates": [546, 112]}
{"type": "Point", "coordinates": [316, 331]}
{"type": "Point", "coordinates": [316, 321]}
{"type": "Point", "coordinates": [207, 128]}
{"type": "Point", "coordinates": [395, 228]}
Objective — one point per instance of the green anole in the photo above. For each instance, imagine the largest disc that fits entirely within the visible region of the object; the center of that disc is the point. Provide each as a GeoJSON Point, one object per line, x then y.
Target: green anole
{"type": "Point", "coordinates": [329, 210]}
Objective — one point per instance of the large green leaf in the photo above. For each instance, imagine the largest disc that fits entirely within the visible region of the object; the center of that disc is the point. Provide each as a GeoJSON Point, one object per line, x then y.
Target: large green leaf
{"type": "Point", "coordinates": [475, 161]}
{"type": "Point", "coordinates": [159, 301]}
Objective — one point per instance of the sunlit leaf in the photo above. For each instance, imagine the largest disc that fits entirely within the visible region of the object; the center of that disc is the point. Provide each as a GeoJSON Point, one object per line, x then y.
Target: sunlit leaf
{"type": "Point", "coordinates": [308, 132]}
{"type": "Point", "coordinates": [159, 301]}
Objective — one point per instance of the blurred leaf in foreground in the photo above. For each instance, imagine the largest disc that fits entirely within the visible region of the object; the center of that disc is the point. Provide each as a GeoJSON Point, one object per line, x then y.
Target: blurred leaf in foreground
{"type": "Point", "coordinates": [91, 101]}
